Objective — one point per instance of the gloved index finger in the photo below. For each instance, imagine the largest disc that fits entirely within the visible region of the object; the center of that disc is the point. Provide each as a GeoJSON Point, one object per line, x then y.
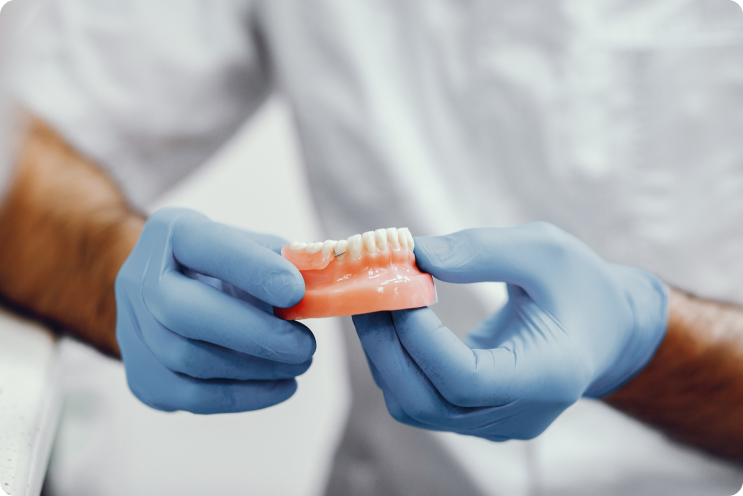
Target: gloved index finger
{"type": "Point", "coordinates": [271, 241]}
{"type": "Point", "coordinates": [226, 253]}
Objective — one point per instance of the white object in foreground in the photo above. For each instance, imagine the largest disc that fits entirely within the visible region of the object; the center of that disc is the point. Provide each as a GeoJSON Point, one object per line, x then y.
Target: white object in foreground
{"type": "Point", "coordinates": [29, 403]}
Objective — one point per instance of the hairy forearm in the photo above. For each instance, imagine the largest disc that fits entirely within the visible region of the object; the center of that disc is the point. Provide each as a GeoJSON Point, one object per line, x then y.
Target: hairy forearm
{"type": "Point", "coordinates": [693, 388]}
{"type": "Point", "coordinates": [65, 230]}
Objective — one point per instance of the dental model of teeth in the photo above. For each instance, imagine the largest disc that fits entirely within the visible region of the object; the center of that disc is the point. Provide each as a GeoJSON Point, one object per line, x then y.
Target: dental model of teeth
{"type": "Point", "coordinates": [365, 273]}
{"type": "Point", "coordinates": [354, 247]}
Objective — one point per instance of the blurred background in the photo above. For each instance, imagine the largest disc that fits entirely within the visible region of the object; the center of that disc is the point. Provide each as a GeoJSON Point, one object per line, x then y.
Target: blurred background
{"type": "Point", "coordinates": [581, 111]}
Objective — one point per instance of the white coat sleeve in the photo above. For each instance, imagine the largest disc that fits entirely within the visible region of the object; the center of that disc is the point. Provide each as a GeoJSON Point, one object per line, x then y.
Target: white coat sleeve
{"type": "Point", "coordinates": [146, 89]}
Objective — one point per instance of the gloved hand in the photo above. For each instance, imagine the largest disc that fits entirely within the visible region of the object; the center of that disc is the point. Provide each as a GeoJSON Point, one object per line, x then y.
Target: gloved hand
{"type": "Point", "coordinates": [194, 318]}
{"type": "Point", "coordinates": [574, 326]}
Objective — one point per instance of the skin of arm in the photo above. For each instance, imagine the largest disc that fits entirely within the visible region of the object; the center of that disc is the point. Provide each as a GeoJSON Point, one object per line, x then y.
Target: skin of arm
{"type": "Point", "coordinates": [66, 229]}
{"type": "Point", "coordinates": [692, 389]}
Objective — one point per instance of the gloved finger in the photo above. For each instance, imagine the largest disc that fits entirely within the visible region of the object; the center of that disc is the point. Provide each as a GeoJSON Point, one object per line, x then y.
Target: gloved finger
{"type": "Point", "coordinates": [517, 420]}
{"type": "Point", "coordinates": [414, 392]}
{"type": "Point", "coordinates": [538, 257]}
{"type": "Point", "coordinates": [499, 376]}
{"type": "Point", "coordinates": [163, 389]}
{"type": "Point", "coordinates": [267, 240]}
{"type": "Point", "coordinates": [228, 289]}
{"type": "Point", "coordinates": [226, 253]}
{"type": "Point", "coordinates": [393, 406]}
{"type": "Point", "coordinates": [203, 360]}
{"type": "Point", "coordinates": [375, 375]}
{"type": "Point", "coordinates": [199, 311]}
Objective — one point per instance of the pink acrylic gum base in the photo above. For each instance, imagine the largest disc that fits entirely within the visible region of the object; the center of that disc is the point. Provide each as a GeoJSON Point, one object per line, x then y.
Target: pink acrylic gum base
{"type": "Point", "coordinates": [385, 280]}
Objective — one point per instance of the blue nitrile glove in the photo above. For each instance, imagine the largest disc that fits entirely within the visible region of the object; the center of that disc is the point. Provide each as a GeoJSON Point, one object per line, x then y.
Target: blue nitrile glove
{"type": "Point", "coordinates": [574, 326]}
{"type": "Point", "coordinates": [194, 321]}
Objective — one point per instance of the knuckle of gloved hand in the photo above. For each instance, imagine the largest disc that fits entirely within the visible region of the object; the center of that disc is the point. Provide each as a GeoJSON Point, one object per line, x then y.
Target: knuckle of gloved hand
{"type": "Point", "coordinates": [188, 232]}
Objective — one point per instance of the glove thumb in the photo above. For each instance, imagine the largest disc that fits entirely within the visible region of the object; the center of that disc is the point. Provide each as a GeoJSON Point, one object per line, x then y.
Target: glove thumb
{"type": "Point", "coordinates": [451, 258]}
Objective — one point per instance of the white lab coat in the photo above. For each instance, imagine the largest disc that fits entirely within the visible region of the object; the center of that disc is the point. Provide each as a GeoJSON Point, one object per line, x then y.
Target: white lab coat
{"type": "Point", "coordinates": [614, 119]}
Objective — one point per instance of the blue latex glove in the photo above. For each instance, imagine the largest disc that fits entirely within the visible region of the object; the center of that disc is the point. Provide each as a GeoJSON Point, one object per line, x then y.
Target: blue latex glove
{"type": "Point", "coordinates": [574, 326]}
{"type": "Point", "coordinates": [194, 319]}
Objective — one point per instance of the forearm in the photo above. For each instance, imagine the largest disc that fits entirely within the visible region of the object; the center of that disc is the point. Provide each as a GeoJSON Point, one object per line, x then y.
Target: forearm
{"type": "Point", "coordinates": [693, 388]}
{"type": "Point", "coordinates": [66, 230]}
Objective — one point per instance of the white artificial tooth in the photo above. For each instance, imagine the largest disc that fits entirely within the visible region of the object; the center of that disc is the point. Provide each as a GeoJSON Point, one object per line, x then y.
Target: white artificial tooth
{"type": "Point", "coordinates": [370, 242]}
{"type": "Point", "coordinates": [328, 247]}
{"type": "Point", "coordinates": [403, 237]}
{"type": "Point", "coordinates": [355, 246]}
{"type": "Point", "coordinates": [381, 235]}
{"type": "Point", "coordinates": [297, 246]}
{"type": "Point", "coordinates": [393, 238]}
{"type": "Point", "coordinates": [341, 247]}
{"type": "Point", "coordinates": [408, 237]}
{"type": "Point", "coordinates": [313, 248]}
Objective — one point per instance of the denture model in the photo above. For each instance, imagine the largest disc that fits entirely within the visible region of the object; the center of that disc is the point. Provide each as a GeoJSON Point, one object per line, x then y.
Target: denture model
{"type": "Point", "coordinates": [369, 272]}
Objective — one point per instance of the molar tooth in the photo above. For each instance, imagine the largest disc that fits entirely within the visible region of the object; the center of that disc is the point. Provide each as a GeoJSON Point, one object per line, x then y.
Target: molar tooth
{"type": "Point", "coordinates": [355, 245]}
{"type": "Point", "coordinates": [370, 242]}
{"type": "Point", "coordinates": [341, 247]}
{"type": "Point", "coordinates": [403, 237]}
{"type": "Point", "coordinates": [328, 246]}
{"type": "Point", "coordinates": [313, 248]}
{"type": "Point", "coordinates": [393, 238]}
{"type": "Point", "coordinates": [297, 246]}
{"type": "Point", "coordinates": [381, 236]}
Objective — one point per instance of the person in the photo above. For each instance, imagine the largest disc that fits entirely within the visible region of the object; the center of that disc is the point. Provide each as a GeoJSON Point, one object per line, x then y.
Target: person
{"type": "Point", "coordinates": [603, 119]}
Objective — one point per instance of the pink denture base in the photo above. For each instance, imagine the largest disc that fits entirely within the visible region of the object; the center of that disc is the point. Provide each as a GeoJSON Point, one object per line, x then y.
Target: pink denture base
{"type": "Point", "coordinates": [385, 280]}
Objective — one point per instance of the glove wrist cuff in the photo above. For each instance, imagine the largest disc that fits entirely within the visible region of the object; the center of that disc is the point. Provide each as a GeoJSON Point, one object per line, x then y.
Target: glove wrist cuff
{"type": "Point", "coordinates": [649, 307]}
